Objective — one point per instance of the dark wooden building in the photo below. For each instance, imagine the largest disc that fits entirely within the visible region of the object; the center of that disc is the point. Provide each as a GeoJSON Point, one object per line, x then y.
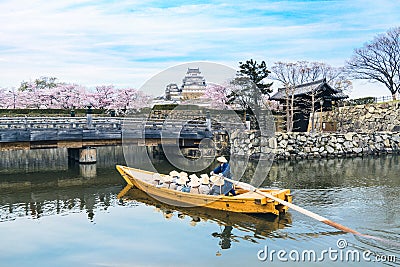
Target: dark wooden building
{"type": "Point", "coordinates": [309, 98]}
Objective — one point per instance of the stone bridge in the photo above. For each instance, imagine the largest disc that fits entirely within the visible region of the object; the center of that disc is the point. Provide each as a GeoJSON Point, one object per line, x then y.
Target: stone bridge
{"type": "Point", "coordinates": [77, 132]}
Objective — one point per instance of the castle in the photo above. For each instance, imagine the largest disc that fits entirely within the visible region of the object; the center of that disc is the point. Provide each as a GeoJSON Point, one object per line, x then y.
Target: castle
{"type": "Point", "coordinates": [193, 86]}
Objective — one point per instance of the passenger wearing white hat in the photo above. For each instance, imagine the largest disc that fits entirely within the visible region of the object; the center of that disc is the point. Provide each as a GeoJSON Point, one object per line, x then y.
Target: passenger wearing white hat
{"type": "Point", "coordinates": [193, 176]}
{"type": "Point", "coordinates": [167, 182]}
{"type": "Point", "coordinates": [218, 185]}
{"type": "Point", "coordinates": [181, 182]}
{"type": "Point", "coordinates": [175, 175]}
{"type": "Point", "coordinates": [173, 185]}
{"type": "Point", "coordinates": [204, 188]}
{"type": "Point", "coordinates": [194, 184]}
{"type": "Point", "coordinates": [224, 169]}
{"type": "Point", "coordinates": [157, 179]}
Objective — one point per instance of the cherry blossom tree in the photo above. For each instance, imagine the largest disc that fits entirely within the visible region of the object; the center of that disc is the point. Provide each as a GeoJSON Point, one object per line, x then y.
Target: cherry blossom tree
{"type": "Point", "coordinates": [34, 94]}
{"type": "Point", "coordinates": [36, 98]}
{"type": "Point", "coordinates": [3, 100]}
{"type": "Point", "coordinates": [130, 99]}
{"type": "Point", "coordinates": [10, 98]}
{"type": "Point", "coordinates": [218, 94]}
{"type": "Point", "coordinates": [139, 100]}
{"type": "Point", "coordinates": [103, 97]}
{"type": "Point", "coordinates": [68, 96]}
{"type": "Point", "coordinates": [272, 104]}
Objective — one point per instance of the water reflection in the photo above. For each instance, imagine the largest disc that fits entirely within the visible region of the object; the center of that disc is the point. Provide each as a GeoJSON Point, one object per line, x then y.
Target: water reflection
{"type": "Point", "coordinates": [253, 228]}
{"type": "Point", "coordinates": [336, 173]}
{"type": "Point", "coordinates": [62, 201]}
{"type": "Point", "coordinates": [54, 159]}
{"type": "Point", "coordinates": [362, 193]}
{"type": "Point", "coordinates": [80, 188]}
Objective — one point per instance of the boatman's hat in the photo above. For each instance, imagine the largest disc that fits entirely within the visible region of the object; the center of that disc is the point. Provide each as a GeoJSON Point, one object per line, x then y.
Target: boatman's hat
{"type": "Point", "coordinates": [222, 159]}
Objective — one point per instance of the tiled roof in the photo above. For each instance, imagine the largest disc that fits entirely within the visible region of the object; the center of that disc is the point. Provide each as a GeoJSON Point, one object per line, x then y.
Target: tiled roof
{"type": "Point", "coordinates": [310, 88]}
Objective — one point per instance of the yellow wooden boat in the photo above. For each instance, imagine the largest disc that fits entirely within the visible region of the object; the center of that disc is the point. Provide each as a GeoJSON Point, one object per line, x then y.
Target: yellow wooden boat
{"type": "Point", "coordinates": [244, 202]}
{"type": "Point", "coordinates": [261, 225]}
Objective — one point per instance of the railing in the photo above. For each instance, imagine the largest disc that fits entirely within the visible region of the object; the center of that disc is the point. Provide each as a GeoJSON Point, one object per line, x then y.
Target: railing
{"type": "Point", "coordinates": [385, 98]}
{"type": "Point", "coordinates": [97, 123]}
{"type": "Point", "coordinates": [58, 122]}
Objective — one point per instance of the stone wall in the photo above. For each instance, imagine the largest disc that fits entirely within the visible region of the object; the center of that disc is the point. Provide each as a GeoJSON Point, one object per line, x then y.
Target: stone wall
{"type": "Point", "coordinates": [366, 118]}
{"type": "Point", "coordinates": [306, 145]}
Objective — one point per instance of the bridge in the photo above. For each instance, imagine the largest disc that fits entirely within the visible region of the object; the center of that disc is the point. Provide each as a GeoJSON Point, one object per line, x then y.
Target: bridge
{"type": "Point", "coordinates": [74, 132]}
{"type": "Point", "coordinates": [77, 133]}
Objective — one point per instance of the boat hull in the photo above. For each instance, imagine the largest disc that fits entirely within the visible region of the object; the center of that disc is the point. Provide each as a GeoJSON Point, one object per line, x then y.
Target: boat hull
{"type": "Point", "coordinates": [244, 202]}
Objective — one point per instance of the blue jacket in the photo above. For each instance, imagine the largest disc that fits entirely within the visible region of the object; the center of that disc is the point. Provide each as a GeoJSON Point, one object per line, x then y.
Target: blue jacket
{"type": "Point", "coordinates": [225, 169]}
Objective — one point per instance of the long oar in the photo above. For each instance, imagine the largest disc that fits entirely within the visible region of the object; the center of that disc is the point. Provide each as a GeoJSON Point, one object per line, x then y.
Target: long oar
{"type": "Point", "coordinates": [306, 212]}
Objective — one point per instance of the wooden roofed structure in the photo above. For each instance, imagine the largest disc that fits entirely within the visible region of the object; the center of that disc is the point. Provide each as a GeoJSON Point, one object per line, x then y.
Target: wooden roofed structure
{"type": "Point", "coordinates": [309, 98]}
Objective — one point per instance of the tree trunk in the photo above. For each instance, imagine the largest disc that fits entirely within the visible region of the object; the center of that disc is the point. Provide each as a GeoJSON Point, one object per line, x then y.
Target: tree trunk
{"type": "Point", "coordinates": [292, 111]}
{"type": "Point", "coordinates": [287, 110]}
{"type": "Point", "coordinates": [312, 112]}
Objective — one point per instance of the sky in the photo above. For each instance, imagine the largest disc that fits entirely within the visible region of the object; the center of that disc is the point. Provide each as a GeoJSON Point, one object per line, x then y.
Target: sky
{"type": "Point", "coordinates": [126, 43]}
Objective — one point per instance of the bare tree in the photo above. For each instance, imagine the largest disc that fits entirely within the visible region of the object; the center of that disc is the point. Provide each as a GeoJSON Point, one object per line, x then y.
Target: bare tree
{"type": "Point", "coordinates": [379, 60]}
{"type": "Point", "coordinates": [291, 75]}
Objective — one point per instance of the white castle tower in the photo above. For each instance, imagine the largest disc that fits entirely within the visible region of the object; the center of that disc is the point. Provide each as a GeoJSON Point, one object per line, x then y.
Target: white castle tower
{"type": "Point", "coordinates": [194, 84]}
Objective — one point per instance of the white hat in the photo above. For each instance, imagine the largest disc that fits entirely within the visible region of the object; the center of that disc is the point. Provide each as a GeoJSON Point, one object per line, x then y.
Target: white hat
{"type": "Point", "coordinates": [167, 178]}
{"type": "Point", "coordinates": [174, 173]}
{"type": "Point", "coordinates": [214, 178]}
{"type": "Point", "coordinates": [222, 159]}
{"type": "Point", "coordinates": [181, 180]}
{"type": "Point", "coordinates": [193, 176]}
{"type": "Point", "coordinates": [157, 177]}
{"type": "Point", "coordinates": [183, 176]}
{"type": "Point", "coordinates": [220, 181]}
{"type": "Point", "coordinates": [194, 182]}
{"type": "Point", "coordinates": [204, 178]}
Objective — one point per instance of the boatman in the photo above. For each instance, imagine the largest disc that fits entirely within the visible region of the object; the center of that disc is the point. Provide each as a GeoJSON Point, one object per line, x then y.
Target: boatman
{"type": "Point", "coordinates": [224, 169]}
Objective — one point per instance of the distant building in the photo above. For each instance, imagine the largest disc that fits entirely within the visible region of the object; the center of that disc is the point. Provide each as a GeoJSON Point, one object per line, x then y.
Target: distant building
{"type": "Point", "coordinates": [172, 92]}
{"type": "Point", "coordinates": [194, 84]}
{"type": "Point", "coordinates": [193, 87]}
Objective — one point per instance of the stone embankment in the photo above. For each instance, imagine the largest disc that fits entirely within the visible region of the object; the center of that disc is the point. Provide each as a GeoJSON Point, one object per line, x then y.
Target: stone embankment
{"type": "Point", "coordinates": [318, 145]}
{"type": "Point", "coordinates": [361, 130]}
{"type": "Point", "coordinates": [366, 118]}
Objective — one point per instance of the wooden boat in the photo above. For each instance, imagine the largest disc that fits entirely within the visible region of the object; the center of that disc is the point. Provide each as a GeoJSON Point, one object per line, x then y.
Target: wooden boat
{"type": "Point", "coordinates": [262, 225]}
{"type": "Point", "coordinates": [244, 202]}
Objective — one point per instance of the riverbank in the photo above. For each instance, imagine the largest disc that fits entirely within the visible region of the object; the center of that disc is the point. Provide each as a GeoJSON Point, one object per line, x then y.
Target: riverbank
{"type": "Point", "coordinates": [288, 146]}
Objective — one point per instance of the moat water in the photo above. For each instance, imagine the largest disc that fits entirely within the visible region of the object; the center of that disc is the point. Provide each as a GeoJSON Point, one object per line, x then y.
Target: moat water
{"type": "Point", "coordinates": [58, 213]}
